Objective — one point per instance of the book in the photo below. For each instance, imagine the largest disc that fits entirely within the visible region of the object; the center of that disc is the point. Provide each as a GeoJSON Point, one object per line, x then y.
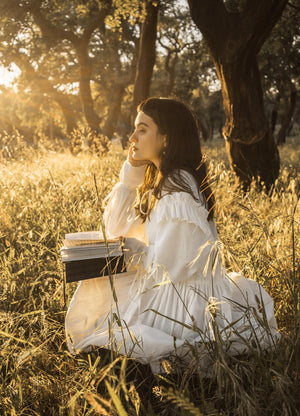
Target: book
{"type": "Point", "coordinates": [87, 255]}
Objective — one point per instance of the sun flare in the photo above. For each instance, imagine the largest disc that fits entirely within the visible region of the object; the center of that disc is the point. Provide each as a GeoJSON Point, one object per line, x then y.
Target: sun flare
{"type": "Point", "coordinates": [8, 76]}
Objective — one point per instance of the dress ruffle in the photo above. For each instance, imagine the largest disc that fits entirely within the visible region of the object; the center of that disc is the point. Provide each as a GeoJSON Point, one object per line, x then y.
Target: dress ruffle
{"type": "Point", "coordinates": [181, 206]}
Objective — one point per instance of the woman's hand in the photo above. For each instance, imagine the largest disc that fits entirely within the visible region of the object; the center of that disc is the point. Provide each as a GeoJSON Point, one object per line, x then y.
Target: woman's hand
{"type": "Point", "coordinates": [132, 161]}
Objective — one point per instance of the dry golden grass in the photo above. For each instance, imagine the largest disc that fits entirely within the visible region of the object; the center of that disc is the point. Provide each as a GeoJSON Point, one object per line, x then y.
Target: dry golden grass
{"type": "Point", "coordinates": [48, 194]}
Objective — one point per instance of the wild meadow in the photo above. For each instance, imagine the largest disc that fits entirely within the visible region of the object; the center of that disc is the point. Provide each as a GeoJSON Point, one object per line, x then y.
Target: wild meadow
{"type": "Point", "coordinates": [46, 192]}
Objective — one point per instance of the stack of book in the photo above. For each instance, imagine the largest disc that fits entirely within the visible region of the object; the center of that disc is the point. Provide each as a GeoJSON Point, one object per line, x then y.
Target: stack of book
{"type": "Point", "coordinates": [87, 255]}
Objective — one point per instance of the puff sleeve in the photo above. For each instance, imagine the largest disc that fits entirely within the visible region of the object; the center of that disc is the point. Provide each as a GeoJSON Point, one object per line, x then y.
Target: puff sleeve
{"type": "Point", "coordinates": [119, 215]}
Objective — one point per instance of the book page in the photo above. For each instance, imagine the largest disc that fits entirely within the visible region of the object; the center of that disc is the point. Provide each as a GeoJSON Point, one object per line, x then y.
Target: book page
{"type": "Point", "coordinates": [86, 238]}
{"type": "Point", "coordinates": [85, 235]}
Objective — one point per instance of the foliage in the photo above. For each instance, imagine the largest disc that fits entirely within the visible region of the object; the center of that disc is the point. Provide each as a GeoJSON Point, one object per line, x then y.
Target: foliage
{"type": "Point", "coordinates": [278, 62]}
{"type": "Point", "coordinates": [51, 67]}
{"type": "Point", "coordinates": [48, 194]}
{"type": "Point", "coordinates": [87, 140]}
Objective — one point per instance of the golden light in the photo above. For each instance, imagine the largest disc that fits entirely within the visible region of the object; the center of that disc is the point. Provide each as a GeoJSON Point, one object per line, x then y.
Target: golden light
{"type": "Point", "coordinates": [8, 76]}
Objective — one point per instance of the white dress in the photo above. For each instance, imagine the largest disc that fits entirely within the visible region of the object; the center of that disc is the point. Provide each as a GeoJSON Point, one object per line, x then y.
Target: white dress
{"type": "Point", "coordinates": [176, 294]}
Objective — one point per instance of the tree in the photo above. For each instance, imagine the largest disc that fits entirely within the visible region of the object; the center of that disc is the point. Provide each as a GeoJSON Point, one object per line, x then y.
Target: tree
{"type": "Point", "coordinates": [235, 31]}
{"type": "Point", "coordinates": [183, 66]}
{"type": "Point", "coordinates": [94, 18]}
{"type": "Point", "coordinates": [174, 37]}
{"type": "Point", "coordinates": [92, 43]}
{"type": "Point", "coordinates": [117, 63]}
{"type": "Point", "coordinates": [45, 86]}
{"type": "Point", "coordinates": [9, 120]}
{"type": "Point", "coordinates": [21, 44]}
{"type": "Point", "coordinates": [56, 33]}
{"type": "Point", "coordinates": [279, 65]}
{"type": "Point", "coordinates": [147, 53]}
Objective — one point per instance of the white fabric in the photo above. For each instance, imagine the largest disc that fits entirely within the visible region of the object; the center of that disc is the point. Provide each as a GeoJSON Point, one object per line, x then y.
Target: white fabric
{"type": "Point", "coordinates": [175, 292]}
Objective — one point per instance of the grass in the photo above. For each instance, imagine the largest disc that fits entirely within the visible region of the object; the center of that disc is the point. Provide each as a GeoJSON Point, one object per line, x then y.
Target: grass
{"type": "Point", "coordinates": [49, 193]}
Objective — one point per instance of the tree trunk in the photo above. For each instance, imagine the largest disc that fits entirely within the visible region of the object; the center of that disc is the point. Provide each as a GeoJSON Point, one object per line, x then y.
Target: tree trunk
{"type": "Point", "coordinates": [114, 110]}
{"type": "Point", "coordinates": [81, 44]}
{"type": "Point", "coordinates": [170, 67]}
{"type": "Point", "coordinates": [274, 113]}
{"type": "Point", "coordinates": [69, 115]}
{"type": "Point", "coordinates": [249, 140]}
{"type": "Point", "coordinates": [87, 102]}
{"type": "Point", "coordinates": [234, 39]}
{"type": "Point", "coordinates": [61, 99]}
{"type": "Point", "coordinates": [287, 116]}
{"type": "Point", "coordinates": [147, 53]}
{"type": "Point", "coordinates": [203, 129]}
{"type": "Point", "coordinates": [211, 128]}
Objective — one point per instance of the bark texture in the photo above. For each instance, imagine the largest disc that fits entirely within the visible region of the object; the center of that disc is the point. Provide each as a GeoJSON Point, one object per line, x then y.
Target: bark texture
{"type": "Point", "coordinates": [147, 54]}
{"type": "Point", "coordinates": [235, 38]}
{"type": "Point", "coordinates": [170, 67]}
{"type": "Point", "coordinates": [114, 111]}
{"type": "Point", "coordinates": [86, 98]}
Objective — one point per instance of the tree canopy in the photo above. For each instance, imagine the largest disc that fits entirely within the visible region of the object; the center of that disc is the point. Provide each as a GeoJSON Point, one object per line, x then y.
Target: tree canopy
{"type": "Point", "coordinates": [88, 63]}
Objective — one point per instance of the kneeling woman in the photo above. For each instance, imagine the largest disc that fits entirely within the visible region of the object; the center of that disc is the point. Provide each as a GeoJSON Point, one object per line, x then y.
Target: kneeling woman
{"type": "Point", "coordinates": [175, 295]}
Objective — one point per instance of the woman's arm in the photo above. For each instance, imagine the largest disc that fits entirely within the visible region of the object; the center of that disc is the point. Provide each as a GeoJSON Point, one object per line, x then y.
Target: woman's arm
{"type": "Point", "coordinates": [119, 215]}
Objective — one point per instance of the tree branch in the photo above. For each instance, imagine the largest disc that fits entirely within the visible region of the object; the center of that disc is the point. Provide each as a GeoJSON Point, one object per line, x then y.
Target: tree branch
{"type": "Point", "coordinates": [212, 19]}
{"type": "Point", "coordinates": [260, 17]}
{"type": "Point", "coordinates": [293, 6]}
{"type": "Point", "coordinates": [98, 21]}
{"type": "Point", "coordinates": [47, 28]}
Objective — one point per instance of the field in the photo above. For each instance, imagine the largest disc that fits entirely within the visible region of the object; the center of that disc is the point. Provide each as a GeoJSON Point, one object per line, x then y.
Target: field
{"type": "Point", "coordinates": [46, 193]}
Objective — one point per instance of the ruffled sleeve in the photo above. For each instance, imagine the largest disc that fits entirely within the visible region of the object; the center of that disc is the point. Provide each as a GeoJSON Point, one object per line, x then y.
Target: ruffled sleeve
{"type": "Point", "coordinates": [183, 243]}
{"type": "Point", "coordinates": [182, 207]}
{"type": "Point", "coordinates": [119, 214]}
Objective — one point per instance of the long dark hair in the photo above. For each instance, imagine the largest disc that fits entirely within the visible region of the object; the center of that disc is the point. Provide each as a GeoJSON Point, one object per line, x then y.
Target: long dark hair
{"type": "Point", "coordinates": [182, 152]}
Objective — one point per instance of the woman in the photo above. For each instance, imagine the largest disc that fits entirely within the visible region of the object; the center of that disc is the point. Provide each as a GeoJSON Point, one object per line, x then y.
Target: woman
{"type": "Point", "coordinates": [175, 294]}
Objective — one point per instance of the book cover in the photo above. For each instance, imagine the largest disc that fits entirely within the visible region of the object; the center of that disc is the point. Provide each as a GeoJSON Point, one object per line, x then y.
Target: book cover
{"type": "Point", "coordinates": [87, 255]}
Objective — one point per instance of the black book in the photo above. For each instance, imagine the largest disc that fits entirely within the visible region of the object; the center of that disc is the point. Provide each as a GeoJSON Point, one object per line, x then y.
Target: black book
{"type": "Point", "coordinates": [87, 255]}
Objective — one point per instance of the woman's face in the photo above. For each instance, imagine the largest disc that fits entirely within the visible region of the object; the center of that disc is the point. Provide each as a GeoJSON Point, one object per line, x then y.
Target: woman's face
{"type": "Point", "coordinates": [147, 141]}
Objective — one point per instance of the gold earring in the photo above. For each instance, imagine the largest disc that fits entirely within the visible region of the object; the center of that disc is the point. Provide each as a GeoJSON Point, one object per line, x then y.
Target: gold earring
{"type": "Point", "coordinates": [164, 145]}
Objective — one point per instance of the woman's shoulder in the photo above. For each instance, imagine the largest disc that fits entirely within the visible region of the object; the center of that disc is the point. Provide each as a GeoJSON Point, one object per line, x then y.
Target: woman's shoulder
{"type": "Point", "coordinates": [181, 207]}
{"type": "Point", "coordinates": [181, 181]}
{"type": "Point", "coordinates": [182, 203]}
